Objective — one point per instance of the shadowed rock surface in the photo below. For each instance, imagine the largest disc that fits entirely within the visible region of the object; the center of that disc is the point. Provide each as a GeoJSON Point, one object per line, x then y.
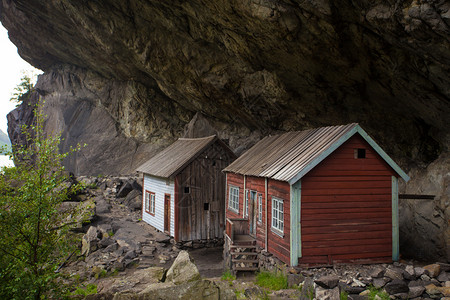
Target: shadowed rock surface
{"type": "Point", "coordinates": [126, 77]}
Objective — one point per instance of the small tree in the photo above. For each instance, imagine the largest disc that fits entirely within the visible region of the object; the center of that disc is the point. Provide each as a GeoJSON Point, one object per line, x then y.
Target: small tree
{"type": "Point", "coordinates": [23, 90]}
{"type": "Point", "coordinates": [33, 237]}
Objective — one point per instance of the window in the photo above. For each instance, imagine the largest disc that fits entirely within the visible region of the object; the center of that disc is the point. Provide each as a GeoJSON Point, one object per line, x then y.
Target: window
{"type": "Point", "coordinates": [149, 202]}
{"type": "Point", "coordinates": [360, 153]}
{"type": "Point", "coordinates": [260, 208]}
{"type": "Point", "coordinates": [187, 190]}
{"type": "Point", "coordinates": [233, 198]}
{"type": "Point", "coordinates": [277, 214]}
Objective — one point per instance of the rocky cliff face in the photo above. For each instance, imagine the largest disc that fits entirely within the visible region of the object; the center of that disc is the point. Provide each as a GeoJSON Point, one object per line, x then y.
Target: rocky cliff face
{"type": "Point", "coordinates": [125, 77]}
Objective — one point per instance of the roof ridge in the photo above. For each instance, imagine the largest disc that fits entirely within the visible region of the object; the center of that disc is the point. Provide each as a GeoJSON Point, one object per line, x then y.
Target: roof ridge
{"type": "Point", "coordinates": [202, 138]}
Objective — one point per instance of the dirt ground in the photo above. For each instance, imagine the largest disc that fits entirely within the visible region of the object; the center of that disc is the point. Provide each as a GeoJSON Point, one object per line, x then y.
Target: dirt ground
{"type": "Point", "coordinates": [209, 261]}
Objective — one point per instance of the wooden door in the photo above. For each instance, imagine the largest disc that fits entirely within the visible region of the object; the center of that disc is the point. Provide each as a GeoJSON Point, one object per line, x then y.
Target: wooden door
{"type": "Point", "coordinates": [167, 213]}
{"type": "Point", "coordinates": [252, 213]}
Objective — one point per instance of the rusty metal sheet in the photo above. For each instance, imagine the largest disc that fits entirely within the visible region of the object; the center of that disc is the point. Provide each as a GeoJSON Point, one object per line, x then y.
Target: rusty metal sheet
{"type": "Point", "coordinates": [174, 158]}
{"type": "Point", "coordinates": [283, 156]}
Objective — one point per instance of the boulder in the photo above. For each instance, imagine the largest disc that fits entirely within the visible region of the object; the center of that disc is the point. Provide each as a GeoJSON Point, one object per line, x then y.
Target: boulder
{"type": "Point", "coordinates": [124, 190]}
{"type": "Point", "coordinates": [443, 277]}
{"type": "Point", "coordinates": [377, 272]}
{"type": "Point", "coordinates": [327, 293]}
{"type": "Point", "coordinates": [327, 282]}
{"type": "Point", "coordinates": [415, 291]}
{"type": "Point", "coordinates": [394, 273]}
{"type": "Point", "coordinates": [294, 279]}
{"type": "Point", "coordinates": [396, 286]}
{"type": "Point", "coordinates": [102, 207]}
{"type": "Point", "coordinates": [351, 289]}
{"type": "Point", "coordinates": [200, 289]}
{"type": "Point", "coordinates": [419, 271]}
{"type": "Point", "coordinates": [432, 270]}
{"type": "Point", "coordinates": [183, 269]}
{"type": "Point", "coordinates": [89, 242]}
{"type": "Point", "coordinates": [357, 297]}
{"type": "Point", "coordinates": [380, 282]}
{"type": "Point", "coordinates": [133, 200]}
{"type": "Point", "coordinates": [433, 290]}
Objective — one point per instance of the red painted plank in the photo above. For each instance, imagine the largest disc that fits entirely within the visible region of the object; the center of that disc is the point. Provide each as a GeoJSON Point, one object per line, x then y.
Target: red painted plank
{"type": "Point", "coordinates": [373, 255]}
{"type": "Point", "coordinates": [344, 198]}
{"type": "Point", "coordinates": [341, 243]}
{"type": "Point", "coordinates": [361, 234]}
{"type": "Point", "coordinates": [346, 184]}
{"type": "Point", "coordinates": [345, 228]}
{"type": "Point", "coordinates": [344, 214]}
{"type": "Point", "coordinates": [310, 179]}
{"type": "Point", "coordinates": [316, 172]}
{"type": "Point", "coordinates": [345, 205]}
{"type": "Point", "coordinates": [344, 211]}
{"type": "Point", "coordinates": [358, 249]}
{"type": "Point", "coordinates": [347, 191]}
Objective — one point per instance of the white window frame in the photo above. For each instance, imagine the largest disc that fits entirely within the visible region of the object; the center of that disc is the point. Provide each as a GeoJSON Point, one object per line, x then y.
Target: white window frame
{"type": "Point", "coordinates": [260, 208]}
{"type": "Point", "coordinates": [277, 215]}
{"type": "Point", "coordinates": [149, 204]}
{"type": "Point", "coordinates": [233, 198]}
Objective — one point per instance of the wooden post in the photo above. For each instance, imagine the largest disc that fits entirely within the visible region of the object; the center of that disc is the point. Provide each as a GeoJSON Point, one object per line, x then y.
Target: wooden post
{"type": "Point", "coordinates": [395, 229]}
{"type": "Point", "coordinates": [295, 213]}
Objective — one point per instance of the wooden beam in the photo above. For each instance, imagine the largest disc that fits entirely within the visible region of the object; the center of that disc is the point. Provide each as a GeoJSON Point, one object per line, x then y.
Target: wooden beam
{"type": "Point", "coordinates": [295, 234]}
{"type": "Point", "coordinates": [416, 196]}
{"type": "Point", "coordinates": [395, 227]}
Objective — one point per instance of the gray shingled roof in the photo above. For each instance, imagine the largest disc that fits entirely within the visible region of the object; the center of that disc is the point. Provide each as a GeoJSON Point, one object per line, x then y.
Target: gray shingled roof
{"type": "Point", "coordinates": [174, 158]}
{"type": "Point", "coordinates": [289, 156]}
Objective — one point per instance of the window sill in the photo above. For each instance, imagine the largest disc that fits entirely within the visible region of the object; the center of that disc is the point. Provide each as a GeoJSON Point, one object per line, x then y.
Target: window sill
{"type": "Point", "coordinates": [277, 232]}
{"type": "Point", "coordinates": [233, 210]}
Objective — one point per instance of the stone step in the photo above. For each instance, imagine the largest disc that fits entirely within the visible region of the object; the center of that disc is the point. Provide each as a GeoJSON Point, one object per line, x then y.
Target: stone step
{"type": "Point", "coordinates": [243, 253]}
{"type": "Point", "coordinates": [252, 261]}
{"type": "Point", "coordinates": [243, 246]}
{"type": "Point", "coordinates": [245, 268]}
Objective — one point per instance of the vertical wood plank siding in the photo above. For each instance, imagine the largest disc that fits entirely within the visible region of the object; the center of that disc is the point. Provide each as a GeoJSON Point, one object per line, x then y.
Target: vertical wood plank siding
{"type": "Point", "coordinates": [277, 245]}
{"type": "Point", "coordinates": [235, 180]}
{"type": "Point", "coordinates": [346, 208]}
{"type": "Point", "coordinates": [206, 183]}
{"type": "Point", "coordinates": [160, 187]}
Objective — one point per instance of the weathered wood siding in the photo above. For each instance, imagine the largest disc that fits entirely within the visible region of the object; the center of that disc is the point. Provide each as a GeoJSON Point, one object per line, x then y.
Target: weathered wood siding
{"type": "Point", "coordinates": [159, 186]}
{"type": "Point", "coordinates": [278, 245]}
{"type": "Point", "coordinates": [346, 212]}
{"type": "Point", "coordinates": [206, 183]}
{"type": "Point", "coordinates": [257, 184]}
{"type": "Point", "coordinates": [235, 180]}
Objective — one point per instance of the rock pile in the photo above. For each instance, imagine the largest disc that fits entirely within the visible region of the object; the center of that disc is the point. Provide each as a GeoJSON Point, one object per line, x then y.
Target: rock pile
{"type": "Point", "coordinates": [181, 281]}
{"type": "Point", "coordinates": [399, 280]}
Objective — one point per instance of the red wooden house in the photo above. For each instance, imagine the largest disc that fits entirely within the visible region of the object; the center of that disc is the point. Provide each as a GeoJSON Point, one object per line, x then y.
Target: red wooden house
{"type": "Point", "coordinates": [319, 196]}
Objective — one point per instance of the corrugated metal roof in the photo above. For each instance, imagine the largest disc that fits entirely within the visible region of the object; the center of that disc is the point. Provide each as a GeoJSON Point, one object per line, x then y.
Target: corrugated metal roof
{"type": "Point", "coordinates": [174, 158]}
{"type": "Point", "coordinates": [288, 156]}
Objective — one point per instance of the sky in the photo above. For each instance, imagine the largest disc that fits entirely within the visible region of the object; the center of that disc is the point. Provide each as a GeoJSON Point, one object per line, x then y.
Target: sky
{"type": "Point", "coordinates": [12, 67]}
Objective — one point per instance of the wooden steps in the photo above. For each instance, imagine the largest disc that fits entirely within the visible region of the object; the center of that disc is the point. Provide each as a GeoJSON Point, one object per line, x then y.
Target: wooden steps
{"type": "Point", "coordinates": [247, 258]}
{"type": "Point", "coordinates": [246, 269]}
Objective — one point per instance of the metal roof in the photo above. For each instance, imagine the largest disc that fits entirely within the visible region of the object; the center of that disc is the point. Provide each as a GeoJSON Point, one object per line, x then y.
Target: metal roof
{"type": "Point", "coordinates": [289, 156]}
{"type": "Point", "coordinates": [177, 156]}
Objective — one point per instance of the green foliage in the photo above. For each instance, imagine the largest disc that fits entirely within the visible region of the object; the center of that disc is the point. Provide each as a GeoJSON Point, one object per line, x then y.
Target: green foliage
{"type": "Point", "coordinates": [343, 295]}
{"type": "Point", "coordinates": [24, 89]}
{"type": "Point", "coordinates": [374, 292]}
{"type": "Point", "coordinates": [274, 281]}
{"type": "Point", "coordinates": [90, 289]}
{"type": "Point", "coordinates": [34, 239]}
{"type": "Point", "coordinates": [228, 276]}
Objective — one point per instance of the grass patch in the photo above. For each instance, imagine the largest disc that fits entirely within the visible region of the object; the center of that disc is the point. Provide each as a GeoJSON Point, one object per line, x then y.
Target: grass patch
{"type": "Point", "coordinates": [374, 292]}
{"type": "Point", "coordinates": [90, 289]}
{"type": "Point", "coordinates": [274, 281]}
{"type": "Point", "coordinates": [343, 295]}
{"type": "Point", "coordinates": [228, 276]}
